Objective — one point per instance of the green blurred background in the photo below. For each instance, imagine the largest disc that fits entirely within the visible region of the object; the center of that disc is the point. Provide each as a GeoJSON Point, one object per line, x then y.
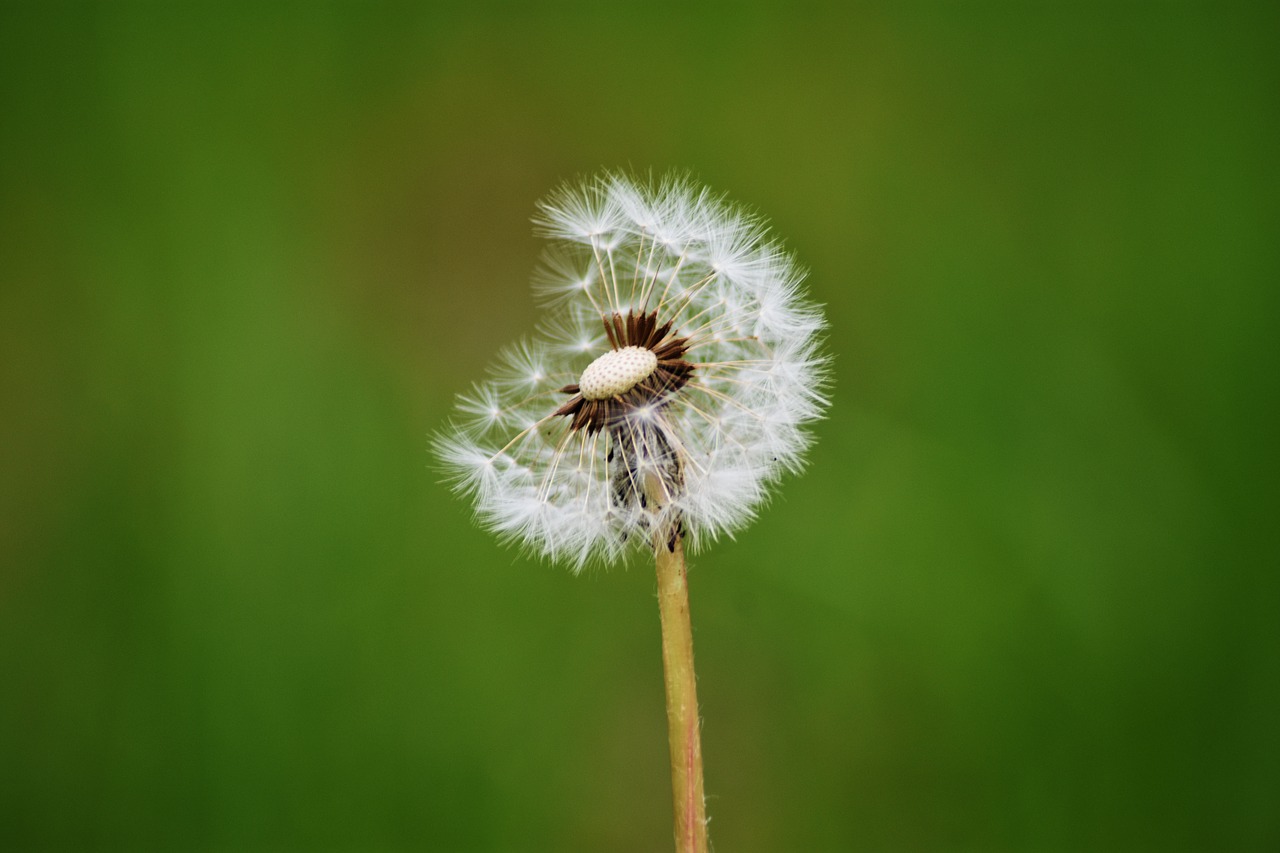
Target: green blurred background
{"type": "Point", "coordinates": [1024, 598]}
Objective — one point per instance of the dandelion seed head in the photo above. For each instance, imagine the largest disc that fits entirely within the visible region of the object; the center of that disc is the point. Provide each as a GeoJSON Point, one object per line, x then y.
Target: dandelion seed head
{"type": "Point", "coordinates": [669, 386]}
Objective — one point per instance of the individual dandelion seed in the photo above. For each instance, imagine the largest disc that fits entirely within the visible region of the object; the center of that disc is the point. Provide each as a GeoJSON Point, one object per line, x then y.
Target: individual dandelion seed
{"type": "Point", "coordinates": [665, 393]}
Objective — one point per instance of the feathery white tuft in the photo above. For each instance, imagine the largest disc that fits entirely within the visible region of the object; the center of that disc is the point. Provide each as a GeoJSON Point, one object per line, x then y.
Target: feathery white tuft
{"type": "Point", "coordinates": [619, 247]}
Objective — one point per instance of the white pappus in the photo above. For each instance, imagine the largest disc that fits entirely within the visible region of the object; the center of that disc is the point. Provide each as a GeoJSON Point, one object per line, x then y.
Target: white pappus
{"type": "Point", "coordinates": [665, 392]}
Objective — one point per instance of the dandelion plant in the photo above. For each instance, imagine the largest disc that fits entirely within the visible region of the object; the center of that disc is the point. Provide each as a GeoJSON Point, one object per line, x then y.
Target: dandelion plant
{"type": "Point", "coordinates": [665, 392]}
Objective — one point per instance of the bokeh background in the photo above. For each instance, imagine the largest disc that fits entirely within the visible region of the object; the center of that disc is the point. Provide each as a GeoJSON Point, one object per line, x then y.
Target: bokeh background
{"type": "Point", "coordinates": [1024, 599]}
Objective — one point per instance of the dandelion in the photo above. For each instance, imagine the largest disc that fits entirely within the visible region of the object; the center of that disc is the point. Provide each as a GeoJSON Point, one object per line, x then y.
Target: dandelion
{"type": "Point", "coordinates": [678, 355]}
{"type": "Point", "coordinates": [665, 393]}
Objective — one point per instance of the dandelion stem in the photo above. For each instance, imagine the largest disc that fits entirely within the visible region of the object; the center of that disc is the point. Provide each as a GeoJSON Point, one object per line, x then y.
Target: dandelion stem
{"type": "Point", "coordinates": [682, 695]}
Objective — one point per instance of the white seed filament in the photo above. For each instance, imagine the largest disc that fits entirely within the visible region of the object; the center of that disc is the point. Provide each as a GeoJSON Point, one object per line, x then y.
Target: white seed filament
{"type": "Point", "coordinates": [616, 372]}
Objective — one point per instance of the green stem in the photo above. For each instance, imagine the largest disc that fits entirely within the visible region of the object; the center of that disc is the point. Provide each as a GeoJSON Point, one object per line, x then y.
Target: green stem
{"type": "Point", "coordinates": [682, 695]}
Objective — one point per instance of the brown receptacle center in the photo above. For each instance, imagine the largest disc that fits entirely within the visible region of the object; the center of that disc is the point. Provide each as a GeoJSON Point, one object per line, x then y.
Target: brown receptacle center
{"type": "Point", "coordinates": [617, 372]}
{"type": "Point", "coordinates": [643, 368]}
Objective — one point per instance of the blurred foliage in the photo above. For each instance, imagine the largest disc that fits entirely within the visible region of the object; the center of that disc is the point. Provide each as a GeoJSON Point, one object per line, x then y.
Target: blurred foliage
{"type": "Point", "coordinates": [1024, 598]}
